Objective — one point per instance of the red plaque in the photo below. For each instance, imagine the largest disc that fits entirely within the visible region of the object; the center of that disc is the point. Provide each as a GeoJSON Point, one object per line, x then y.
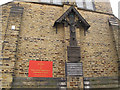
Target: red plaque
{"type": "Point", "coordinates": [40, 68]}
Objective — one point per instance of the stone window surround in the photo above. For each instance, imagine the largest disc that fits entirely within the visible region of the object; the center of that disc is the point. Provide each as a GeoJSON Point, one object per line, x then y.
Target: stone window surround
{"type": "Point", "coordinates": [85, 7]}
{"type": "Point", "coordinates": [51, 3]}
{"type": "Point", "coordinates": [84, 4]}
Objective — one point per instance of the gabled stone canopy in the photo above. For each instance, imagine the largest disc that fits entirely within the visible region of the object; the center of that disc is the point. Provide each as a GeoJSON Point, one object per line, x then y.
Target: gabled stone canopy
{"type": "Point", "coordinates": [81, 20]}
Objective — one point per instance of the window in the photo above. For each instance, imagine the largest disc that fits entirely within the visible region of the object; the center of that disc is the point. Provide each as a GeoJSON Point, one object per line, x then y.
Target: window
{"type": "Point", "coordinates": [86, 4]}
{"type": "Point", "coordinates": [79, 3]}
{"type": "Point", "coordinates": [89, 4]}
{"type": "Point", "coordinates": [47, 1]}
{"type": "Point", "coordinates": [57, 2]}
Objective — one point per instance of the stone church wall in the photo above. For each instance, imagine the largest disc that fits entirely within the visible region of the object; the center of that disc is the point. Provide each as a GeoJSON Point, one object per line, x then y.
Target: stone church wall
{"type": "Point", "coordinates": [38, 40]}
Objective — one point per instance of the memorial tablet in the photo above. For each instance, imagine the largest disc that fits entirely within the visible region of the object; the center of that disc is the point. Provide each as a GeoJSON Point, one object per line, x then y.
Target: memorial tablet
{"type": "Point", "coordinates": [40, 68]}
{"type": "Point", "coordinates": [74, 69]}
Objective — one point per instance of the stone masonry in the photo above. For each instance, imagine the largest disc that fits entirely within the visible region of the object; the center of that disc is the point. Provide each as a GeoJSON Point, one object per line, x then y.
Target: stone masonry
{"type": "Point", "coordinates": [35, 38]}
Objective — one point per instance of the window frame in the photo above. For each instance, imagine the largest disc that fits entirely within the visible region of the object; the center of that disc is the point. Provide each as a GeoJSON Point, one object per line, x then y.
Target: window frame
{"type": "Point", "coordinates": [56, 3]}
{"type": "Point", "coordinates": [44, 1]}
{"type": "Point", "coordinates": [51, 2]}
{"type": "Point", "coordinates": [85, 6]}
{"type": "Point", "coordinates": [92, 2]}
{"type": "Point", "coordinates": [77, 4]}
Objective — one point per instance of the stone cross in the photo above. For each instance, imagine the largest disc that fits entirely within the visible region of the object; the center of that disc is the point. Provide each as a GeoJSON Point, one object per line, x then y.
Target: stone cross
{"type": "Point", "coordinates": [72, 24]}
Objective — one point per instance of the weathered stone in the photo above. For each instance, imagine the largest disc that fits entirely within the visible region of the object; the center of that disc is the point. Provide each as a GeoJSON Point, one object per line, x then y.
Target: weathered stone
{"type": "Point", "coordinates": [35, 38]}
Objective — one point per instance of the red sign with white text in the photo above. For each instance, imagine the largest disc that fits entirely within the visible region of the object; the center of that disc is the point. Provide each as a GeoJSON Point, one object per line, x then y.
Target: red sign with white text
{"type": "Point", "coordinates": [40, 68]}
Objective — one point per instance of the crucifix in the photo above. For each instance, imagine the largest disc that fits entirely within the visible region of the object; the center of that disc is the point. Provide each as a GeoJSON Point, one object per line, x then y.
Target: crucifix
{"type": "Point", "coordinates": [73, 50]}
{"type": "Point", "coordinates": [72, 24]}
{"type": "Point", "coordinates": [69, 19]}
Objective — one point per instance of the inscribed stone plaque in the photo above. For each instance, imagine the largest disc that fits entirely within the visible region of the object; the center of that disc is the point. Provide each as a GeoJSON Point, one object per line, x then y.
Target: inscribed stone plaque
{"type": "Point", "coordinates": [40, 68]}
{"type": "Point", "coordinates": [73, 53]}
{"type": "Point", "coordinates": [73, 69]}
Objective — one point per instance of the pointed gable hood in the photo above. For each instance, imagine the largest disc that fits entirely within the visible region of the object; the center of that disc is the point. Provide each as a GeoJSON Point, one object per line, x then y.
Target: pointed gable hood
{"type": "Point", "coordinates": [81, 20]}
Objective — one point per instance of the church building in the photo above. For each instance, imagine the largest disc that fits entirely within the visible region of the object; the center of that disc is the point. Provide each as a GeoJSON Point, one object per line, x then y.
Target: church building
{"type": "Point", "coordinates": [61, 44]}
